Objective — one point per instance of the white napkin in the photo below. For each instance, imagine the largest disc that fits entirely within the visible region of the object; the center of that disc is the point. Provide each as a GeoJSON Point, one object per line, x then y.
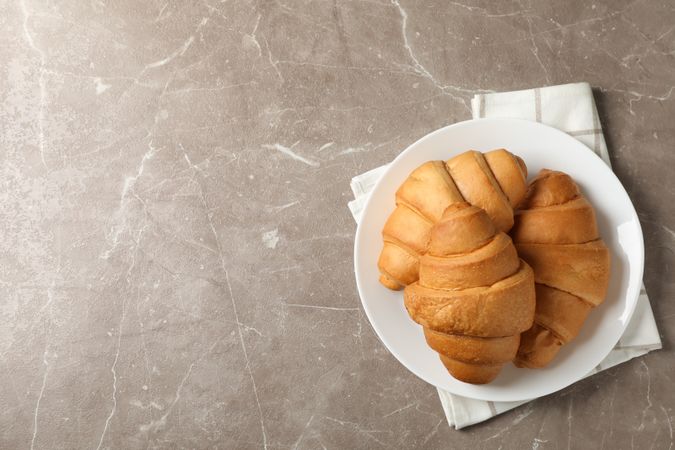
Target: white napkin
{"type": "Point", "coordinates": [570, 108]}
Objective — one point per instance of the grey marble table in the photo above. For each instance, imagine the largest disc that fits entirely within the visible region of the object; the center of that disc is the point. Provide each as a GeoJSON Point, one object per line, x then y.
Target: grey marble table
{"type": "Point", "coordinates": [176, 252]}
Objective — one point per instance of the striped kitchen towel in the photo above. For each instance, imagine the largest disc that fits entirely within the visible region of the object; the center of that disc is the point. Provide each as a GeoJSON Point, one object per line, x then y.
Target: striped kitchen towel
{"type": "Point", "coordinates": [570, 108]}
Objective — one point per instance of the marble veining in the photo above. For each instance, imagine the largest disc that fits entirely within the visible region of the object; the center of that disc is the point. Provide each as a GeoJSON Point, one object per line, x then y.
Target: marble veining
{"type": "Point", "coordinates": [176, 261]}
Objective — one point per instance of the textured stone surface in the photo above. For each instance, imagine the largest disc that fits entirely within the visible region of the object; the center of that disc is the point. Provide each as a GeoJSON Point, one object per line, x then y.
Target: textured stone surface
{"type": "Point", "coordinates": [176, 254]}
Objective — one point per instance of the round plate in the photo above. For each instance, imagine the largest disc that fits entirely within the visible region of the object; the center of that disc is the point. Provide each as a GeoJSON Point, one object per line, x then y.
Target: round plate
{"type": "Point", "coordinates": [541, 147]}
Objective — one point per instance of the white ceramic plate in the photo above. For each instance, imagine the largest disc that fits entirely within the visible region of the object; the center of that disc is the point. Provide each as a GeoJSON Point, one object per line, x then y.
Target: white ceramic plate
{"type": "Point", "coordinates": [541, 147]}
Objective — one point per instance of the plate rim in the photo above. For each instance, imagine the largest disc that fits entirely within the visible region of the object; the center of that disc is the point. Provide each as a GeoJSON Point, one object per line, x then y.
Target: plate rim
{"type": "Point", "coordinates": [631, 300]}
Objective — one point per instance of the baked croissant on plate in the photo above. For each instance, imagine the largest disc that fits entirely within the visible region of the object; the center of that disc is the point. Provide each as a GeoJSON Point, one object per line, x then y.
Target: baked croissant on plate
{"type": "Point", "coordinates": [494, 181]}
{"type": "Point", "coordinates": [556, 233]}
{"type": "Point", "coordinates": [474, 295]}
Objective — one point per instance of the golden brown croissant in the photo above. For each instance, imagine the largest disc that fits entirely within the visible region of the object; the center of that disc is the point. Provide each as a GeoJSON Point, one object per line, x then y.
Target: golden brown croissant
{"type": "Point", "coordinates": [555, 232]}
{"type": "Point", "coordinates": [494, 181]}
{"type": "Point", "coordinates": [474, 295]}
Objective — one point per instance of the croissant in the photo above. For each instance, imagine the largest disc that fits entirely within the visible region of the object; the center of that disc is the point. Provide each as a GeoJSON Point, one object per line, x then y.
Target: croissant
{"type": "Point", "coordinates": [474, 295]}
{"type": "Point", "coordinates": [494, 181]}
{"type": "Point", "coordinates": [556, 233]}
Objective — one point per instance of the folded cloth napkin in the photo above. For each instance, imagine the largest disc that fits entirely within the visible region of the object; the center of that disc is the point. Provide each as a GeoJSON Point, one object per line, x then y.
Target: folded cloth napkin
{"type": "Point", "coordinates": [570, 108]}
